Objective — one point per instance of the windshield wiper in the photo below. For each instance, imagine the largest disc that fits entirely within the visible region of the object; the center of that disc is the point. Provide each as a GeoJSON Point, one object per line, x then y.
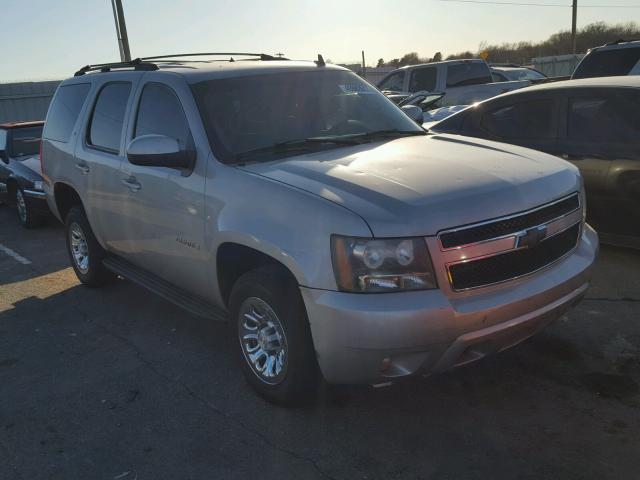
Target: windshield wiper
{"type": "Point", "coordinates": [298, 145]}
{"type": "Point", "coordinates": [386, 134]}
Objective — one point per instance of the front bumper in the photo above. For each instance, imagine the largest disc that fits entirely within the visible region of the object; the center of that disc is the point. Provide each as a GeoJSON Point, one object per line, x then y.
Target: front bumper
{"type": "Point", "coordinates": [375, 338]}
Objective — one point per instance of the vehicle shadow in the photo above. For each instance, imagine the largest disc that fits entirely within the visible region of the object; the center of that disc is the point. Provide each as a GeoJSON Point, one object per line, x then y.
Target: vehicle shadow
{"type": "Point", "coordinates": [118, 374]}
{"type": "Point", "coordinates": [26, 254]}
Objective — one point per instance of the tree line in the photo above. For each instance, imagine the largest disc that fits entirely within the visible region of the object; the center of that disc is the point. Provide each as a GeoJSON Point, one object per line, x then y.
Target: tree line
{"type": "Point", "coordinates": [559, 43]}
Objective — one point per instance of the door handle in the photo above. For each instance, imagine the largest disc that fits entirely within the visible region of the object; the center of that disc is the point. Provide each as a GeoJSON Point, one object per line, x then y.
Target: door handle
{"type": "Point", "coordinates": [84, 169]}
{"type": "Point", "coordinates": [132, 184]}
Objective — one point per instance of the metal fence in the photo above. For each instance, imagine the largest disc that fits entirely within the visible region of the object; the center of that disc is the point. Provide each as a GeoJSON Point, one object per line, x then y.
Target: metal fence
{"type": "Point", "coordinates": [26, 100]}
{"type": "Point", "coordinates": [557, 66]}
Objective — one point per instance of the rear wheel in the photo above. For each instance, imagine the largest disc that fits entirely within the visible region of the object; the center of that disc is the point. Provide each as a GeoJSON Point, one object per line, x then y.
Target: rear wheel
{"type": "Point", "coordinates": [85, 252]}
{"type": "Point", "coordinates": [269, 325]}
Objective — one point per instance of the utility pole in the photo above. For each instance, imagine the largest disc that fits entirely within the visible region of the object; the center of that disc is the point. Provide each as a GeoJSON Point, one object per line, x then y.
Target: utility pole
{"type": "Point", "coordinates": [121, 30]}
{"type": "Point", "coordinates": [364, 67]}
{"type": "Point", "coordinates": [573, 26]}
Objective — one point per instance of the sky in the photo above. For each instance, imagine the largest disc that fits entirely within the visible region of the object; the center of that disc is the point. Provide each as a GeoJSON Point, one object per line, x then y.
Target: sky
{"type": "Point", "coordinates": [50, 39]}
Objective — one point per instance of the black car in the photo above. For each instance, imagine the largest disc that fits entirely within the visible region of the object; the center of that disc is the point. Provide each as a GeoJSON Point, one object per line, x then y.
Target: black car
{"type": "Point", "coordinates": [20, 178]}
{"type": "Point", "coordinates": [594, 123]}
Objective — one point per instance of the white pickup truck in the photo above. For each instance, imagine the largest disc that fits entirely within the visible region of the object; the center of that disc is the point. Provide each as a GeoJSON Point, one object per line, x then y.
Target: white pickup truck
{"type": "Point", "coordinates": [464, 82]}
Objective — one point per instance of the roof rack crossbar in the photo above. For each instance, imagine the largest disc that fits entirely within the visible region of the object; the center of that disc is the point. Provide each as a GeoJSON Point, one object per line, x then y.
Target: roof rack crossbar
{"type": "Point", "coordinates": [261, 56]}
{"type": "Point", "coordinates": [136, 63]}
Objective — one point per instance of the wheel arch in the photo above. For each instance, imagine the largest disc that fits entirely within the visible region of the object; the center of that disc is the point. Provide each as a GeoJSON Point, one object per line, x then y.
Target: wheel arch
{"type": "Point", "coordinates": [65, 197]}
{"type": "Point", "coordinates": [234, 259]}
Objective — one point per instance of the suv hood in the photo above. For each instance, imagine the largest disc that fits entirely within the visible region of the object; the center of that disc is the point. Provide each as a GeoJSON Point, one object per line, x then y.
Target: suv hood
{"type": "Point", "coordinates": [417, 186]}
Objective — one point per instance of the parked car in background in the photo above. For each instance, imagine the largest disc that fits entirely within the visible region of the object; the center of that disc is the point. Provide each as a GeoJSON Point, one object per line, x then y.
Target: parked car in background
{"type": "Point", "coordinates": [464, 81]}
{"type": "Point", "coordinates": [617, 58]}
{"type": "Point", "coordinates": [296, 200]}
{"type": "Point", "coordinates": [593, 123]}
{"type": "Point", "coordinates": [21, 182]}
{"type": "Point", "coordinates": [508, 73]}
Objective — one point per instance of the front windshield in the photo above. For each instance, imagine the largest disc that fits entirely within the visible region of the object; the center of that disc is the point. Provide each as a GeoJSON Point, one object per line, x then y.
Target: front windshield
{"type": "Point", "coordinates": [25, 141]}
{"type": "Point", "coordinates": [246, 114]}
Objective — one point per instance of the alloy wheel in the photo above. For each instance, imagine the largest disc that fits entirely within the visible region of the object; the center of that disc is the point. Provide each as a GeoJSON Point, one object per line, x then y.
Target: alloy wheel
{"type": "Point", "coordinates": [263, 340]}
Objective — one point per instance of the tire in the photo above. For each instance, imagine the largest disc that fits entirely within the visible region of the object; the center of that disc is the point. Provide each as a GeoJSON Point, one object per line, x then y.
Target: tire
{"type": "Point", "coordinates": [85, 253]}
{"type": "Point", "coordinates": [270, 291]}
{"type": "Point", "coordinates": [28, 219]}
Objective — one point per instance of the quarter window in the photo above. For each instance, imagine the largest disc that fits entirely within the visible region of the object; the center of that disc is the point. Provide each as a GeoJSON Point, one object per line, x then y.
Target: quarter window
{"type": "Point", "coordinates": [604, 119]}
{"type": "Point", "coordinates": [423, 79]}
{"type": "Point", "coordinates": [160, 113]}
{"type": "Point", "coordinates": [64, 111]}
{"type": "Point", "coordinates": [105, 131]}
{"type": "Point", "coordinates": [525, 120]}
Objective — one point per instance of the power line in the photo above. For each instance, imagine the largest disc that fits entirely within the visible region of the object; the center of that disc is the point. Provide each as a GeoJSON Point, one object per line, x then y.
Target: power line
{"type": "Point", "coordinates": [529, 4]}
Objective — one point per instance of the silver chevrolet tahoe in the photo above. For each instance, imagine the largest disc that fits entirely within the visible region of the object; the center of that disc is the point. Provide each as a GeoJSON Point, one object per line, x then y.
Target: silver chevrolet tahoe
{"type": "Point", "coordinates": [339, 238]}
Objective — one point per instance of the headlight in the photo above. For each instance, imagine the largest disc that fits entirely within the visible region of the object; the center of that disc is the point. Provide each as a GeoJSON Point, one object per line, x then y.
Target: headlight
{"type": "Point", "coordinates": [38, 186]}
{"type": "Point", "coordinates": [583, 199]}
{"type": "Point", "coordinates": [385, 265]}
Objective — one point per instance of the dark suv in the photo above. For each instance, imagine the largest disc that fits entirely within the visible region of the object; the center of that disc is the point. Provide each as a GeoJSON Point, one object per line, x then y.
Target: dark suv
{"type": "Point", "coordinates": [594, 123]}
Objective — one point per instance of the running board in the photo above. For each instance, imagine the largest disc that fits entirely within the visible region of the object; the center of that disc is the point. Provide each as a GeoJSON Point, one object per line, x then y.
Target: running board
{"type": "Point", "coordinates": [166, 290]}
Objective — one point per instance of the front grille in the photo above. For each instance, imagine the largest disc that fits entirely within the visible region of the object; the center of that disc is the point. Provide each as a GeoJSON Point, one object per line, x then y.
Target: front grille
{"type": "Point", "coordinates": [513, 264]}
{"type": "Point", "coordinates": [516, 223]}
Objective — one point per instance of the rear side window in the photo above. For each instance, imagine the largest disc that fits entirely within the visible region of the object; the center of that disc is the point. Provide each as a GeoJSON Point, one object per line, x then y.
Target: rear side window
{"type": "Point", "coordinates": [394, 81]}
{"type": "Point", "coordinates": [423, 79]}
{"type": "Point", "coordinates": [161, 113]}
{"type": "Point", "coordinates": [468, 74]}
{"type": "Point", "coordinates": [105, 130]}
{"type": "Point", "coordinates": [524, 120]}
{"type": "Point", "coordinates": [608, 63]}
{"type": "Point", "coordinates": [614, 118]}
{"type": "Point", "coordinates": [25, 141]}
{"type": "Point", "coordinates": [64, 111]}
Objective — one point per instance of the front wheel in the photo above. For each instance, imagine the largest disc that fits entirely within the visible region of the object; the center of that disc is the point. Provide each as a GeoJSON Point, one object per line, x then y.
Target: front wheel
{"type": "Point", "coordinates": [26, 215]}
{"type": "Point", "coordinates": [269, 325]}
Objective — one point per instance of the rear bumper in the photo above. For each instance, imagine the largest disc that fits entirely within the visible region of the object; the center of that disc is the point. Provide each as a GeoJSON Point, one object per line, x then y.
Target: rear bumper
{"type": "Point", "coordinates": [377, 338]}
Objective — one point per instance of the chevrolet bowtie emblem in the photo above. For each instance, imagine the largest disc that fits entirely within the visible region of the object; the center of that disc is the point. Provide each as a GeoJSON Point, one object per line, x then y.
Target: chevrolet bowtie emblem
{"type": "Point", "coordinates": [531, 237]}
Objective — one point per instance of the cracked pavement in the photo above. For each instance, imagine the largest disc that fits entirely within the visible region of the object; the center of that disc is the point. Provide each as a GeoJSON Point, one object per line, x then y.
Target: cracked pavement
{"type": "Point", "coordinates": [119, 384]}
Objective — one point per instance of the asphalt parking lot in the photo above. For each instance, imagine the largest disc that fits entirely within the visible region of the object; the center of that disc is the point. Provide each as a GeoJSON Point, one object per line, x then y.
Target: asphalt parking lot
{"type": "Point", "coordinates": [119, 384]}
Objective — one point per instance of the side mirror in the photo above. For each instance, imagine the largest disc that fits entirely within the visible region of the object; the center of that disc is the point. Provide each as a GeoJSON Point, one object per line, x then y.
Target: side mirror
{"type": "Point", "coordinates": [3, 156]}
{"type": "Point", "coordinates": [414, 113]}
{"type": "Point", "coordinates": [158, 151]}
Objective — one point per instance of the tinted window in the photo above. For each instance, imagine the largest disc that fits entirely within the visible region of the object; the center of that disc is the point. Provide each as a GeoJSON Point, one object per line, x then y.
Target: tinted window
{"type": "Point", "coordinates": [423, 79]}
{"type": "Point", "coordinates": [394, 81]}
{"type": "Point", "coordinates": [64, 111]}
{"type": "Point", "coordinates": [3, 138]}
{"type": "Point", "coordinates": [25, 141]}
{"type": "Point", "coordinates": [472, 73]}
{"type": "Point", "coordinates": [246, 114]}
{"type": "Point", "coordinates": [608, 63]}
{"type": "Point", "coordinates": [105, 130]}
{"type": "Point", "coordinates": [614, 118]}
{"type": "Point", "coordinates": [533, 120]}
{"type": "Point", "coordinates": [160, 112]}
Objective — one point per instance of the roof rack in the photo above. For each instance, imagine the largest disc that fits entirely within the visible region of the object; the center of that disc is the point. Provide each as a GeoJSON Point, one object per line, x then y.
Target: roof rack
{"type": "Point", "coordinates": [136, 63]}
{"type": "Point", "coordinates": [144, 63]}
{"type": "Point", "coordinates": [621, 40]}
{"type": "Point", "coordinates": [260, 56]}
